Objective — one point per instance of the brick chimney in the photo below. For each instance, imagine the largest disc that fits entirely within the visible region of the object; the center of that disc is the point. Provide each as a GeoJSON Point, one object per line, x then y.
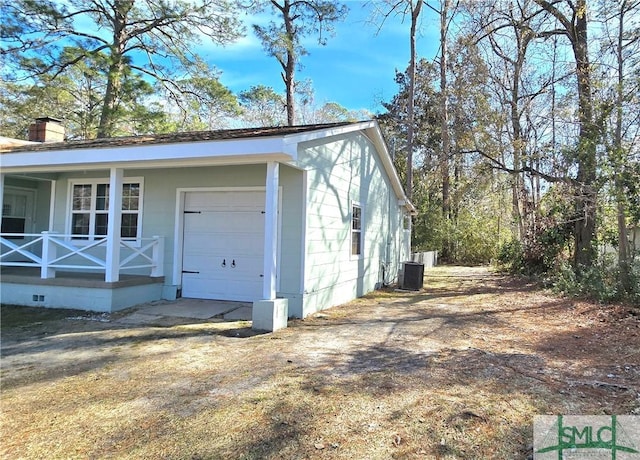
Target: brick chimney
{"type": "Point", "coordinates": [46, 129]}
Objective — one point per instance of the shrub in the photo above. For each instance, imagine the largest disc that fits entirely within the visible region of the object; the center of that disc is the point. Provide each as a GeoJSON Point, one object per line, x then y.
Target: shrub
{"type": "Point", "coordinates": [634, 276]}
{"type": "Point", "coordinates": [511, 257]}
{"type": "Point", "coordinates": [600, 282]}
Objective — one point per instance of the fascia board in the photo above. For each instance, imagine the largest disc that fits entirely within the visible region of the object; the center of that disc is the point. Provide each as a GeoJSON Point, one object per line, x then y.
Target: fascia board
{"type": "Point", "coordinates": [156, 164]}
{"type": "Point", "coordinates": [183, 153]}
{"type": "Point", "coordinates": [294, 139]}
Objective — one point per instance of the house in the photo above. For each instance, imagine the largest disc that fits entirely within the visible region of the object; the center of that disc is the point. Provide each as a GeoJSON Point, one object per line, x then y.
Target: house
{"type": "Point", "coordinates": [293, 219]}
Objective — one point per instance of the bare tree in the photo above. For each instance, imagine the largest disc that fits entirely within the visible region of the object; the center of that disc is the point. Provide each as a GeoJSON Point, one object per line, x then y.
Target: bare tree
{"type": "Point", "coordinates": [621, 40]}
{"type": "Point", "coordinates": [283, 40]}
{"type": "Point", "coordinates": [564, 19]}
{"type": "Point", "coordinates": [445, 19]}
{"type": "Point", "coordinates": [385, 9]}
{"type": "Point", "coordinates": [508, 31]}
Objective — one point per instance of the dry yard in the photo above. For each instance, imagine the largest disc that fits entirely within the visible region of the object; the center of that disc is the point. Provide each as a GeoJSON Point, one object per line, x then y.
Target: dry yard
{"type": "Point", "coordinates": [455, 371]}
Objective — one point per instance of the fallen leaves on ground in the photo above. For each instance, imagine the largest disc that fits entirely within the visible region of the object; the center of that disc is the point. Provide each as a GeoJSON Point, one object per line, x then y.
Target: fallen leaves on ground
{"type": "Point", "coordinates": [457, 370]}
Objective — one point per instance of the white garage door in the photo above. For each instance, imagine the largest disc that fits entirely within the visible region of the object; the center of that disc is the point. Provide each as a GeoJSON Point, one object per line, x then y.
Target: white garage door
{"type": "Point", "coordinates": [223, 245]}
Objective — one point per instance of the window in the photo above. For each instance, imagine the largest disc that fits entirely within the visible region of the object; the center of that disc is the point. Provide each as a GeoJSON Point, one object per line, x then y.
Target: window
{"type": "Point", "coordinates": [90, 210]}
{"type": "Point", "coordinates": [356, 230]}
{"type": "Point", "coordinates": [15, 212]}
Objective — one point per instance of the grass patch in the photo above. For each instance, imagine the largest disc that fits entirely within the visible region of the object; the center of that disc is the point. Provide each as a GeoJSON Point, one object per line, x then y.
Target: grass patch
{"type": "Point", "coordinates": [12, 316]}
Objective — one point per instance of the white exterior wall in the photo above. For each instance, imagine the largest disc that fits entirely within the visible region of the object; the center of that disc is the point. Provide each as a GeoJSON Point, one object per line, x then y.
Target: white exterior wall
{"type": "Point", "coordinates": [339, 174]}
{"type": "Point", "coordinates": [159, 209]}
{"type": "Point", "coordinates": [290, 269]}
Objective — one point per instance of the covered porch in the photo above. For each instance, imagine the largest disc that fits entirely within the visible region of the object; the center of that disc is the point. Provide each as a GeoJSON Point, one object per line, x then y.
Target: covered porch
{"type": "Point", "coordinates": [100, 270]}
{"type": "Point", "coordinates": [78, 243]}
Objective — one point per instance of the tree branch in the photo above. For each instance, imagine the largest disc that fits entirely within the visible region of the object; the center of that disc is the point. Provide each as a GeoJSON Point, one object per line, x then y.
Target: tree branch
{"type": "Point", "coordinates": [495, 164]}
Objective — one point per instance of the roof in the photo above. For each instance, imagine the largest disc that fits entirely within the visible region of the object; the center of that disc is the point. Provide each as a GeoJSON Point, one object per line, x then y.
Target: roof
{"type": "Point", "coordinates": [171, 138]}
{"type": "Point", "coordinates": [197, 148]}
{"type": "Point", "coordinates": [9, 143]}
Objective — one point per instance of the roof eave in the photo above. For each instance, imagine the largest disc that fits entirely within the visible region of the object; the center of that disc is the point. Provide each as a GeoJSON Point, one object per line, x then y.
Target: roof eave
{"type": "Point", "coordinates": [200, 153]}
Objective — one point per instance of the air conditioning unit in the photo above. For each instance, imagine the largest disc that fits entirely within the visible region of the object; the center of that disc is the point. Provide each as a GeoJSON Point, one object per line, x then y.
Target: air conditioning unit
{"type": "Point", "coordinates": [413, 276]}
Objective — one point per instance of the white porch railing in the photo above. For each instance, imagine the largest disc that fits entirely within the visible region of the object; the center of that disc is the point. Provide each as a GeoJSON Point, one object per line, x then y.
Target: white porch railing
{"type": "Point", "coordinates": [53, 251]}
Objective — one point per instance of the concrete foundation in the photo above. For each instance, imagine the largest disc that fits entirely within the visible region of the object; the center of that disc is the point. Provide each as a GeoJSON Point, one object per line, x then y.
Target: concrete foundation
{"type": "Point", "coordinates": [104, 300]}
{"type": "Point", "coordinates": [270, 315]}
{"type": "Point", "coordinates": [79, 290]}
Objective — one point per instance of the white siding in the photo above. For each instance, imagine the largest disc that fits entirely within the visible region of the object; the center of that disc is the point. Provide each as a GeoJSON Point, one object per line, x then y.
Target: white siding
{"type": "Point", "coordinates": [346, 171]}
{"type": "Point", "coordinates": [290, 270]}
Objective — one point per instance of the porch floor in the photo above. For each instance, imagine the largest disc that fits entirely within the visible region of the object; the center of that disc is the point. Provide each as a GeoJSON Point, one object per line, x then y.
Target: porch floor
{"type": "Point", "coordinates": [31, 275]}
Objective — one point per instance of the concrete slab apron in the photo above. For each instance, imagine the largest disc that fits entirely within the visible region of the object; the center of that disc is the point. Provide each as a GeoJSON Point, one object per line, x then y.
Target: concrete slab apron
{"type": "Point", "coordinates": [190, 308]}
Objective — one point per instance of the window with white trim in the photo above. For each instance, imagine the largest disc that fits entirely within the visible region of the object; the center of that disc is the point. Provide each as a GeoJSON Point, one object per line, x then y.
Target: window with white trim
{"type": "Point", "coordinates": [17, 211]}
{"type": "Point", "coordinates": [90, 210]}
{"type": "Point", "coordinates": [356, 230]}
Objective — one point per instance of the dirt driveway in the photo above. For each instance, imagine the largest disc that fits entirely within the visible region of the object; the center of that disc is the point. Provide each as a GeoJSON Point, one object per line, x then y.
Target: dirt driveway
{"type": "Point", "coordinates": [455, 371]}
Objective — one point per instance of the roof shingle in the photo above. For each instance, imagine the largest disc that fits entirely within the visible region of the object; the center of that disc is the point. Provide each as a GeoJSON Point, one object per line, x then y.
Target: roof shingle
{"type": "Point", "coordinates": [192, 136]}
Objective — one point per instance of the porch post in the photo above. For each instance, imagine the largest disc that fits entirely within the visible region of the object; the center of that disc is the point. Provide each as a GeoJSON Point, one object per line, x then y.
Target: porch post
{"type": "Point", "coordinates": [48, 254]}
{"type": "Point", "coordinates": [270, 231]}
{"type": "Point", "coordinates": [52, 204]}
{"type": "Point", "coordinates": [270, 313]}
{"type": "Point", "coordinates": [158, 257]}
{"type": "Point", "coordinates": [112, 269]}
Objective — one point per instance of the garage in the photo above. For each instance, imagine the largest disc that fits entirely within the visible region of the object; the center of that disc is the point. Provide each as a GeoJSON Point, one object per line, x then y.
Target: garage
{"type": "Point", "coordinates": [223, 245]}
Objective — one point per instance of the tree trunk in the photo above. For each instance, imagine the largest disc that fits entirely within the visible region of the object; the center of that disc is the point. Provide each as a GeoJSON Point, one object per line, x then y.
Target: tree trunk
{"type": "Point", "coordinates": [585, 227]}
{"type": "Point", "coordinates": [111, 97]}
{"type": "Point", "coordinates": [116, 68]}
{"type": "Point", "coordinates": [446, 142]}
{"type": "Point", "coordinates": [516, 181]}
{"type": "Point", "coordinates": [289, 82]}
{"type": "Point", "coordinates": [519, 208]}
{"type": "Point", "coordinates": [415, 12]}
{"type": "Point", "coordinates": [289, 64]}
{"type": "Point", "coordinates": [624, 249]}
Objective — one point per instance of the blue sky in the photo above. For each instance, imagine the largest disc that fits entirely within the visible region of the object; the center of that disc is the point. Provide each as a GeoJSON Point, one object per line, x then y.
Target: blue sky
{"type": "Point", "coordinates": [356, 68]}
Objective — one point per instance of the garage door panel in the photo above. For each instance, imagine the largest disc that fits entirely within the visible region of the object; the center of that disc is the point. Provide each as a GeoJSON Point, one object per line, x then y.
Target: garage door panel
{"type": "Point", "coordinates": [210, 243]}
{"type": "Point", "coordinates": [203, 288]}
{"type": "Point", "coordinates": [226, 222]}
{"type": "Point", "coordinates": [228, 244]}
{"type": "Point", "coordinates": [223, 227]}
{"type": "Point", "coordinates": [231, 201]}
{"type": "Point", "coordinates": [239, 264]}
{"type": "Point", "coordinates": [232, 291]}
{"type": "Point", "coordinates": [204, 263]}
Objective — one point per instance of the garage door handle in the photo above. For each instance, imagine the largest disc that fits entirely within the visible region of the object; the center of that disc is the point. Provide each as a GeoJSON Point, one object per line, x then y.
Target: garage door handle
{"type": "Point", "coordinates": [224, 262]}
{"type": "Point", "coordinates": [233, 263]}
{"type": "Point", "coordinates": [189, 271]}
